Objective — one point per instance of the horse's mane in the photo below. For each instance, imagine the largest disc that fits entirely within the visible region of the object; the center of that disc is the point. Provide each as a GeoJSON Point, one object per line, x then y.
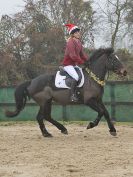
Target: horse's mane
{"type": "Point", "coordinates": [99, 52]}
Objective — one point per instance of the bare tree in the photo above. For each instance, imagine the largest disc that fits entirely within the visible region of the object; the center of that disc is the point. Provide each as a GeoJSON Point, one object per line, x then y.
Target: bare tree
{"type": "Point", "coordinates": [113, 18]}
{"type": "Point", "coordinates": [129, 17]}
{"type": "Point", "coordinates": [35, 37]}
{"type": "Point", "coordinates": [71, 11]}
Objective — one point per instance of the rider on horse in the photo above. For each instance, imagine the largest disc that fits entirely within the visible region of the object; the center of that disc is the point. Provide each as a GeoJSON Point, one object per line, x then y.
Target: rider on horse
{"type": "Point", "coordinates": [74, 56]}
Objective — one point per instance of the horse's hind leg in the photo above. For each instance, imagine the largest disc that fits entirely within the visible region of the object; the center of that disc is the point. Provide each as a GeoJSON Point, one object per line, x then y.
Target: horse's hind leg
{"type": "Point", "coordinates": [47, 117]}
{"type": "Point", "coordinates": [58, 125]}
{"type": "Point", "coordinates": [40, 117]}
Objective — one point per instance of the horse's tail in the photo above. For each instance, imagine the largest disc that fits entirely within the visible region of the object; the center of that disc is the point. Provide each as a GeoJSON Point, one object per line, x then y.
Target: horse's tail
{"type": "Point", "coordinates": [21, 94]}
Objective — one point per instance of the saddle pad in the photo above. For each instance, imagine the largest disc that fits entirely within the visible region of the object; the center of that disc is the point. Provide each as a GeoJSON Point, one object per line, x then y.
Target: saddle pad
{"type": "Point", "coordinates": [60, 80]}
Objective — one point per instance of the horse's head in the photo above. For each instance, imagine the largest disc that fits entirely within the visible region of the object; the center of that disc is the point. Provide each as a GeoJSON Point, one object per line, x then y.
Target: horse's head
{"type": "Point", "coordinates": [111, 61]}
{"type": "Point", "coordinates": [114, 63]}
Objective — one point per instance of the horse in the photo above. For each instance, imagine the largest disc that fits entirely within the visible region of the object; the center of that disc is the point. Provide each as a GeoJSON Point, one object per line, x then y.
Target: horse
{"type": "Point", "coordinates": [43, 91]}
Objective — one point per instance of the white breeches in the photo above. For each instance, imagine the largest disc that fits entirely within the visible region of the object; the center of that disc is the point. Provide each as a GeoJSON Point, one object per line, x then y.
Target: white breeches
{"type": "Point", "coordinates": [71, 71]}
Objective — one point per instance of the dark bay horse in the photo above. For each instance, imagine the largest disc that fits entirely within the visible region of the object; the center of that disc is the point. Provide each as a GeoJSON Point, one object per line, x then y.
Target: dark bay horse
{"type": "Point", "coordinates": [43, 91]}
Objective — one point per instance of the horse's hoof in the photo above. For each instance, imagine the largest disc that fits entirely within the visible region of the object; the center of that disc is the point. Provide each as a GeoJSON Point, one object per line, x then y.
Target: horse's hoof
{"type": "Point", "coordinates": [113, 133]}
{"type": "Point", "coordinates": [90, 125]}
{"type": "Point", "coordinates": [64, 132]}
{"type": "Point", "coordinates": [48, 135]}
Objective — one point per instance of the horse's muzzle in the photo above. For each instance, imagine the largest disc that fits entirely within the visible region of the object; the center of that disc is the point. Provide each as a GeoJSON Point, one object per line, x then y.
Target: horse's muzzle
{"type": "Point", "coordinates": [123, 72]}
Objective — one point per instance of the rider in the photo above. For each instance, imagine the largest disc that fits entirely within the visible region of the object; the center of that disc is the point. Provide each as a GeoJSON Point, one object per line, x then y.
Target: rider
{"type": "Point", "coordinates": [74, 56]}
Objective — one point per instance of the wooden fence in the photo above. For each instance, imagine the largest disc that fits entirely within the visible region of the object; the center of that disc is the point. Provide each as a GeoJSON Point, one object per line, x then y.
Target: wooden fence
{"type": "Point", "coordinates": [118, 98]}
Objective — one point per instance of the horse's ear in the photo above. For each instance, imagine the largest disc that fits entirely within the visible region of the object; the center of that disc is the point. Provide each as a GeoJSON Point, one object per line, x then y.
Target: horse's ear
{"type": "Point", "coordinates": [109, 50]}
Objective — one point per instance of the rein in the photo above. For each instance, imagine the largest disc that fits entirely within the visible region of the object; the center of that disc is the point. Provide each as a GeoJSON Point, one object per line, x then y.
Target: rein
{"type": "Point", "coordinates": [94, 77]}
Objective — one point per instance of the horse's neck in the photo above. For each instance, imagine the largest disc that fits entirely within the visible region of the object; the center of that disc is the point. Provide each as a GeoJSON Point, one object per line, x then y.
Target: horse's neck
{"type": "Point", "coordinates": [99, 68]}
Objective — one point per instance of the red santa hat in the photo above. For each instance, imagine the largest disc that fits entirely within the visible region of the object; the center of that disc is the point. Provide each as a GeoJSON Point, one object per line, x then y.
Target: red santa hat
{"type": "Point", "coordinates": [72, 28]}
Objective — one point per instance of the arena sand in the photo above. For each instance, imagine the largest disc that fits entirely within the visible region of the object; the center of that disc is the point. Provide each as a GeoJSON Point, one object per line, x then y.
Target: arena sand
{"type": "Point", "coordinates": [24, 152]}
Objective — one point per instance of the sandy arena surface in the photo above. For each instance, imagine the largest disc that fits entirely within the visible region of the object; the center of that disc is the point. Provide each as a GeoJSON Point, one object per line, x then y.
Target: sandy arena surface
{"type": "Point", "coordinates": [82, 153]}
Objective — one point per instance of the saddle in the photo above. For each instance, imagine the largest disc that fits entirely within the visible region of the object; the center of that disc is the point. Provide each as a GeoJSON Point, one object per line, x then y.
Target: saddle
{"type": "Point", "coordinates": [63, 79]}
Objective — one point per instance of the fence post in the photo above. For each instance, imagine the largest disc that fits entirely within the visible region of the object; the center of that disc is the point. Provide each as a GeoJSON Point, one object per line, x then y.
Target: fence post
{"type": "Point", "coordinates": [112, 94]}
{"type": "Point", "coordinates": [64, 113]}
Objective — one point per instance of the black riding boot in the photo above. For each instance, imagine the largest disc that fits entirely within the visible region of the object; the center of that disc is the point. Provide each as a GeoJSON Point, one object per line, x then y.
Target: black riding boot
{"type": "Point", "coordinates": [73, 91]}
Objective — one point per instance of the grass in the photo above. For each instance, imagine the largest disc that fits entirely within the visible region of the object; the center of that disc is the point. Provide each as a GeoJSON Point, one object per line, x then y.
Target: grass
{"type": "Point", "coordinates": [12, 123]}
{"type": "Point", "coordinates": [124, 123]}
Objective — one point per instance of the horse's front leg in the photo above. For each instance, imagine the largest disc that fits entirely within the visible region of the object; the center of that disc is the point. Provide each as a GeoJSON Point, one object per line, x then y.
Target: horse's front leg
{"type": "Point", "coordinates": [93, 103]}
{"type": "Point", "coordinates": [99, 107]}
{"type": "Point", "coordinates": [95, 122]}
{"type": "Point", "coordinates": [112, 129]}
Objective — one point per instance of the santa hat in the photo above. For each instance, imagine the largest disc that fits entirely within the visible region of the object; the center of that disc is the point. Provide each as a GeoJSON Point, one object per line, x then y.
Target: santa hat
{"type": "Point", "coordinates": [72, 28]}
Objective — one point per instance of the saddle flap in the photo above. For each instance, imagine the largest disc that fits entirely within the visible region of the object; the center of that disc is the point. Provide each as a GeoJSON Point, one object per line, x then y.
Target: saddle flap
{"type": "Point", "coordinates": [63, 79]}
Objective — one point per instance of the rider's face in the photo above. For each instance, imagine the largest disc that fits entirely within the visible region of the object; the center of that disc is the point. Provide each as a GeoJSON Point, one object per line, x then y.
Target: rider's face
{"type": "Point", "coordinates": [77, 35]}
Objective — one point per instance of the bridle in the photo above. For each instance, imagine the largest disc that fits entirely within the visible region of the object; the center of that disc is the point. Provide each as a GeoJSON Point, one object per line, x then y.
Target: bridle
{"type": "Point", "coordinates": [94, 77]}
{"type": "Point", "coordinates": [112, 64]}
{"type": "Point", "coordinates": [111, 61]}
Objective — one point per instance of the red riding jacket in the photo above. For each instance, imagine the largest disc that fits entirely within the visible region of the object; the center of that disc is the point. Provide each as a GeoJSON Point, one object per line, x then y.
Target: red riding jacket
{"type": "Point", "coordinates": [74, 54]}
